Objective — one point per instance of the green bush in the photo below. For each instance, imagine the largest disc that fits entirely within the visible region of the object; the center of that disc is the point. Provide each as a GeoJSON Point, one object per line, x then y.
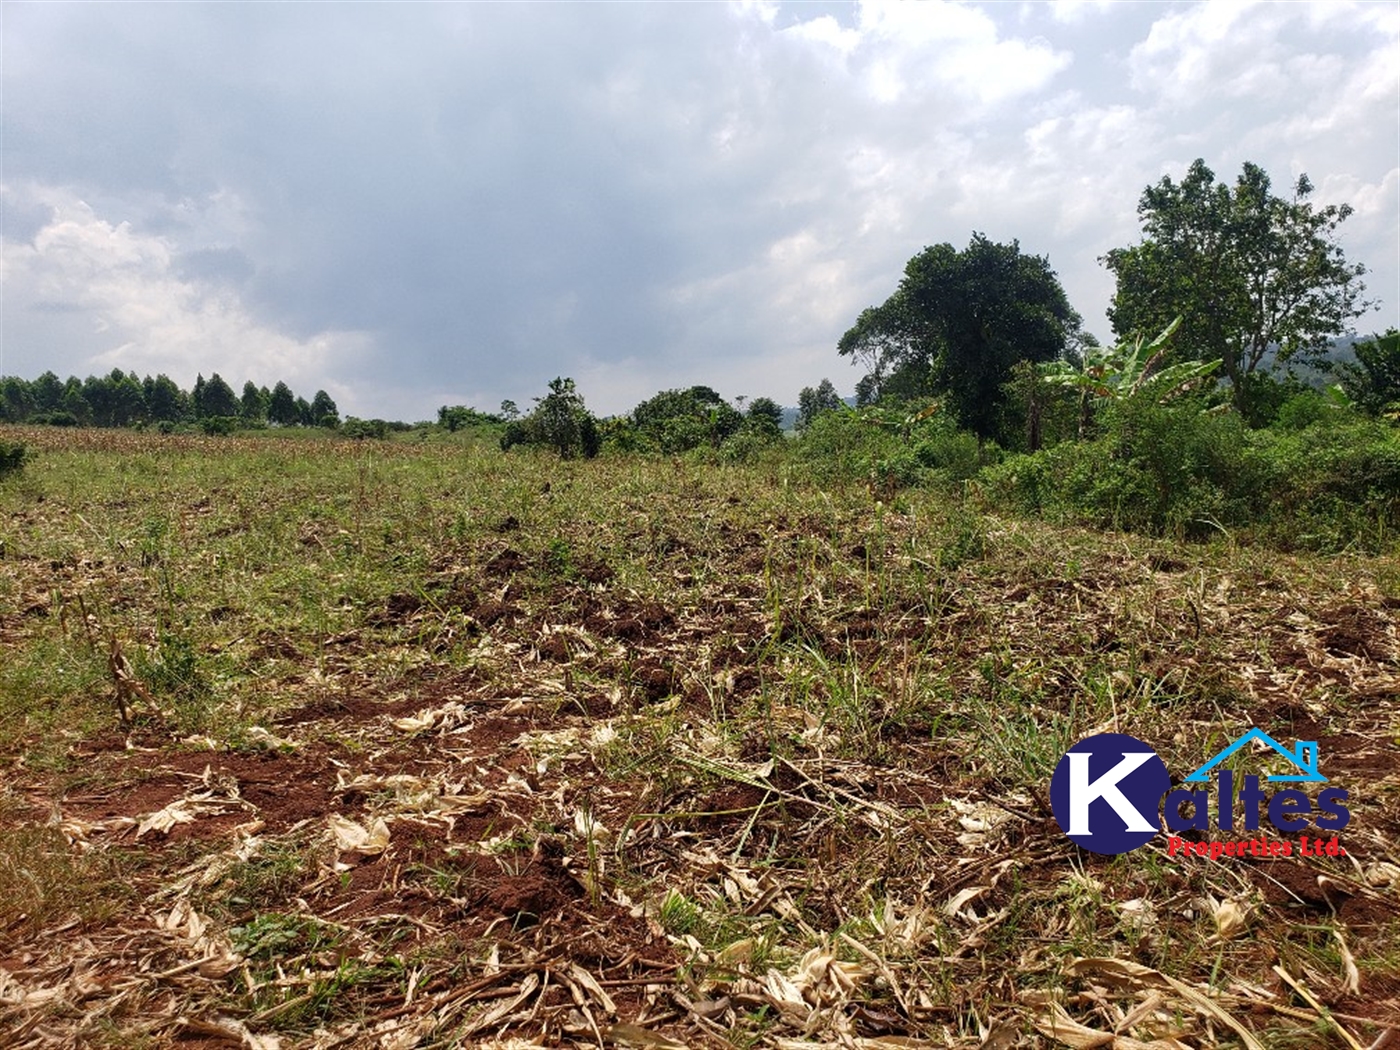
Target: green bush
{"type": "Point", "coordinates": [844, 444]}
{"type": "Point", "coordinates": [12, 457]}
{"type": "Point", "coordinates": [56, 419]}
{"type": "Point", "coordinates": [892, 446]}
{"type": "Point", "coordinates": [362, 429]}
{"type": "Point", "coordinates": [1330, 484]}
{"type": "Point", "coordinates": [220, 426]}
{"type": "Point", "coordinates": [751, 442]}
{"type": "Point", "coordinates": [676, 421]}
{"type": "Point", "coordinates": [953, 454]}
{"type": "Point", "coordinates": [560, 421]}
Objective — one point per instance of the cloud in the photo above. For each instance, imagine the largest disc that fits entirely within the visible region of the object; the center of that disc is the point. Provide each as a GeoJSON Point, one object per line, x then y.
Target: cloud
{"type": "Point", "coordinates": [448, 203]}
{"type": "Point", "coordinates": [127, 304]}
{"type": "Point", "coordinates": [1074, 11]}
{"type": "Point", "coordinates": [900, 51]}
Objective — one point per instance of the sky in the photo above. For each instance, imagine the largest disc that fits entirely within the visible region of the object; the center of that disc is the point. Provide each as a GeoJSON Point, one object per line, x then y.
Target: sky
{"type": "Point", "coordinates": [412, 205]}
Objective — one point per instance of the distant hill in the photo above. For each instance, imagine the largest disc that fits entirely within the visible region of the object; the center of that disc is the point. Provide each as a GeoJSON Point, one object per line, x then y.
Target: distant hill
{"type": "Point", "coordinates": [790, 414]}
{"type": "Point", "coordinates": [1320, 378]}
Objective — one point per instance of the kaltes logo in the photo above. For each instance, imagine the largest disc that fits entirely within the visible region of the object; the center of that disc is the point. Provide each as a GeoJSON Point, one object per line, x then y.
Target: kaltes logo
{"type": "Point", "coordinates": [1111, 793]}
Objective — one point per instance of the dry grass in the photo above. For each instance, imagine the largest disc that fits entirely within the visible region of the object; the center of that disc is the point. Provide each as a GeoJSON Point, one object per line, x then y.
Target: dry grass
{"type": "Point", "coordinates": [434, 746]}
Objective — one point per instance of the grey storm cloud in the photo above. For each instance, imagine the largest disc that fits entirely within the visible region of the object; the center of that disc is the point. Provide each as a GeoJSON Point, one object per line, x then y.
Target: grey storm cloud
{"type": "Point", "coordinates": [418, 204]}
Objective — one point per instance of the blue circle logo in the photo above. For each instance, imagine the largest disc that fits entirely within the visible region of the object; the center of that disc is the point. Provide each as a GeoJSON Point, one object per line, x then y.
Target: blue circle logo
{"type": "Point", "coordinates": [1106, 792]}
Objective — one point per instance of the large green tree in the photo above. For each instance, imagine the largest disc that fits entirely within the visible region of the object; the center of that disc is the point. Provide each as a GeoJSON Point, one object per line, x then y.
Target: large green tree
{"type": "Point", "coordinates": [165, 401]}
{"type": "Point", "coordinates": [16, 399]}
{"type": "Point", "coordinates": [813, 401]}
{"type": "Point", "coordinates": [48, 392]}
{"type": "Point", "coordinates": [324, 412]}
{"type": "Point", "coordinates": [282, 406]}
{"type": "Point", "coordinates": [1245, 269]}
{"type": "Point", "coordinates": [252, 406]}
{"type": "Point", "coordinates": [956, 325]}
{"type": "Point", "coordinates": [765, 416]}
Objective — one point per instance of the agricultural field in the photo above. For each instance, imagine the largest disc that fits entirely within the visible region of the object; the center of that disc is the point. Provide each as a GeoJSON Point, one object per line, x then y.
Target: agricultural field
{"type": "Point", "coordinates": [324, 743]}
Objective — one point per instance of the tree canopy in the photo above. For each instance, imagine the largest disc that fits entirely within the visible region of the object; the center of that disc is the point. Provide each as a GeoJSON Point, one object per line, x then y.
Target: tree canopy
{"type": "Point", "coordinates": [324, 412]}
{"type": "Point", "coordinates": [122, 399]}
{"type": "Point", "coordinates": [679, 420]}
{"type": "Point", "coordinates": [1373, 379]}
{"type": "Point", "coordinates": [217, 398]}
{"type": "Point", "coordinates": [1245, 269]}
{"type": "Point", "coordinates": [957, 323]}
{"type": "Point", "coordinates": [813, 401]}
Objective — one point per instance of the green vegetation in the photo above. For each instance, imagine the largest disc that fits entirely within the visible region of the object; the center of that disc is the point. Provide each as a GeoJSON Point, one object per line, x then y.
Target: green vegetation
{"type": "Point", "coordinates": [1372, 381]}
{"type": "Point", "coordinates": [122, 399]}
{"type": "Point", "coordinates": [560, 421]}
{"type": "Point", "coordinates": [668, 719]}
{"type": "Point", "coordinates": [1248, 272]}
{"type": "Point", "coordinates": [12, 457]}
{"type": "Point", "coordinates": [957, 324]}
{"type": "Point", "coordinates": [510, 724]}
{"type": "Point", "coordinates": [981, 382]}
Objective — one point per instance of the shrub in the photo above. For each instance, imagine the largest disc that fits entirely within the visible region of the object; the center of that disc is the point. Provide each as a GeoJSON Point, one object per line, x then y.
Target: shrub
{"type": "Point", "coordinates": [1304, 409]}
{"type": "Point", "coordinates": [1373, 379]}
{"type": "Point", "coordinates": [677, 421]}
{"type": "Point", "coordinates": [12, 457]}
{"type": "Point", "coordinates": [1330, 484]}
{"type": "Point", "coordinates": [844, 444]}
{"type": "Point", "coordinates": [361, 429]}
{"type": "Point", "coordinates": [56, 419]}
{"type": "Point", "coordinates": [560, 421]}
{"type": "Point", "coordinates": [453, 418]}
{"type": "Point", "coordinates": [618, 435]}
{"type": "Point", "coordinates": [938, 445]}
{"type": "Point", "coordinates": [749, 443]}
{"type": "Point", "coordinates": [218, 426]}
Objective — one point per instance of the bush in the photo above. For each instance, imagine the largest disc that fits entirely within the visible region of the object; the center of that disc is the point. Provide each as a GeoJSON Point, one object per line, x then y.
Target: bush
{"type": "Point", "coordinates": [361, 429]}
{"type": "Point", "coordinates": [1304, 409]}
{"type": "Point", "coordinates": [618, 435]}
{"type": "Point", "coordinates": [220, 426]}
{"type": "Point", "coordinates": [56, 419]}
{"type": "Point", "coordinates": [1331, 484]}
{"type": "Point", "coordinates": [953, 454]}
{"type": "Point", "coordinates": [12, 457]}
{"type": "Point", "coordinates": [845, 444]}
{"type": "Point", "coordinates": [453, 418]}
{"type": "Point", "coordinates": [892, 446]}
{"type": "Point", "coordinates": [676, 421]}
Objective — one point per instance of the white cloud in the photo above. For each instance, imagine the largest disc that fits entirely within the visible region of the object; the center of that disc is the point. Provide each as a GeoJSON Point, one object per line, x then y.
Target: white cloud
{"type": "Point", "coordinates": [464, 201]}
{"type": "Point", "coordinates": [140, 315]}
{"type": "Point", "coordinates": [912, 53]}
{"type": "Point", "coordinates": [1075, 11]}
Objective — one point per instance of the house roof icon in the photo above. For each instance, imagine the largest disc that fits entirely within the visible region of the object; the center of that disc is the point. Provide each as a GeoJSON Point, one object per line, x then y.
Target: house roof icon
{"type": "Point", "coordinates": [1303, 756]}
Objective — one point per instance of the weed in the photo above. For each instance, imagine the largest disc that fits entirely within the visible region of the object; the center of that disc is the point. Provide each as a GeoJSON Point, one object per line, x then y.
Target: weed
{"type": "Point", "coordinates": [44, 883]}
{"type": "Point", "coordinates": [679, 915]}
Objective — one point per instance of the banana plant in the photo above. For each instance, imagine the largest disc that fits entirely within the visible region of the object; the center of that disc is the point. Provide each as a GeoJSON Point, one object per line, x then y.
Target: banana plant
{"type": "Point", "coordinates": [1130, 371]}
{"type": "Point", "coordinates": [901, 425]}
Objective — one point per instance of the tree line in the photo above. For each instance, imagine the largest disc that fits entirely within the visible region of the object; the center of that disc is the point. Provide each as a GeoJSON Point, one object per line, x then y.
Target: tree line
{"type": "Point", "coordinates": [1258, 281]}
{"type": "Point", "coordinates": [122, 399]}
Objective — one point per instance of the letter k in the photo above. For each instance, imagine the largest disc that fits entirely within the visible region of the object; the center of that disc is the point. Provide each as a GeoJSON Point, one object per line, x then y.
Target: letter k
{"type": "Point", "coordinates": [1082, 793]}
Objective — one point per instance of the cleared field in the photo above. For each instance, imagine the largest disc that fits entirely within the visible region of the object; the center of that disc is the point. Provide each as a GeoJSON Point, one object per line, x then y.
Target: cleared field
{"type": "Point", "coordinates": [327, 743]}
